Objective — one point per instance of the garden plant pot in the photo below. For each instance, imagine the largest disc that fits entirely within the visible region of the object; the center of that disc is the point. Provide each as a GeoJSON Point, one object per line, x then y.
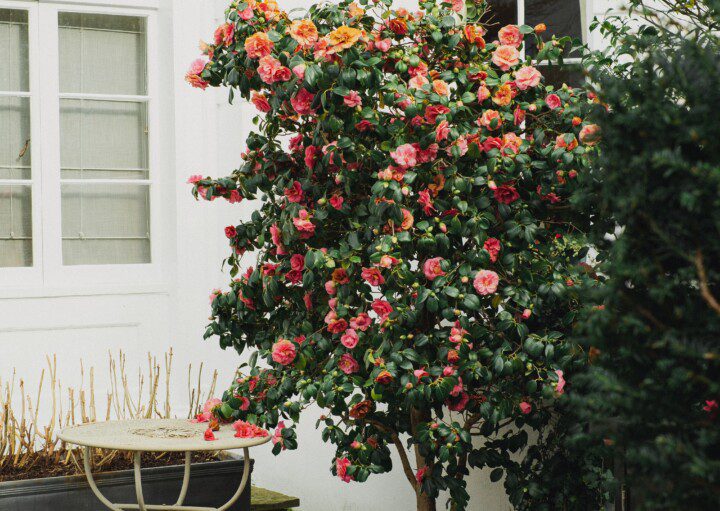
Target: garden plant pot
{"type": "Point", "coordinates": [211, 484]}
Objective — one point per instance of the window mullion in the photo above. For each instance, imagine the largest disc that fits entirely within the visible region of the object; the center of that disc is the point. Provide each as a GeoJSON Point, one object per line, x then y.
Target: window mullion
{"type": "Point", "coordinates": [50, 137]}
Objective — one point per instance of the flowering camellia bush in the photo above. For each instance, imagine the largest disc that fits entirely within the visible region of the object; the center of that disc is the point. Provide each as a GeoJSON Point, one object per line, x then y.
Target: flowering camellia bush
{"type": "Point", "coordinates": [418, 259]}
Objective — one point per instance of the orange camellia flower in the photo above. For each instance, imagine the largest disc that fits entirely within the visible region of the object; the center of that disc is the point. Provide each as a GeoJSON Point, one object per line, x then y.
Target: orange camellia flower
{"type": "Point", "coordinates": [503, 96]}
{"type": "Point", "coordinates": [441, 87]}
{"type": "Point", "coordinates": [258, 45]}
{"type": "Point", "coordinates": [474, 35]}
{"type": "Point", "coordinates": [342, 38]}
{"type": "Point", "coordinates": [304, 32]}
{"type": "Point", "coordinates": [355, 10]}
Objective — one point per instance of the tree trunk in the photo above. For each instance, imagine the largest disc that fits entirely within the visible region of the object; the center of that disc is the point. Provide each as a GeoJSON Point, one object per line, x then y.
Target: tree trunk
{"type": "Point", "coordinates": [424, 502]}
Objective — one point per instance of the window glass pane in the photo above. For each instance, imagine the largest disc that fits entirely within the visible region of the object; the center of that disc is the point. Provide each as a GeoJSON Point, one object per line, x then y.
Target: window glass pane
{"type": "Point", "coordinates": [501, 13]}
{"type": "Point", "coordinates": [103, 139]}
{"type": "Point", "coordinates": [14, 50]}
{"type": "Point", "coordinates": [562, 18]}
{"type": "Point", "coordinates": [14, 138]}
{"type": "Point", "coordinates": [105, 223]}
{"type": "Point", "coordinates": [102, 54]}
{"type": "Point", "coordinates": [558, 75]}
{"type": "Point", "coordinates": [15, 226]}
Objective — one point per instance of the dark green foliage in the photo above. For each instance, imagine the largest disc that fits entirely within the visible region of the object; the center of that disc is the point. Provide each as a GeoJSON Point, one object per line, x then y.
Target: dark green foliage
{"type": "Point", "coordinates": [653, 390]}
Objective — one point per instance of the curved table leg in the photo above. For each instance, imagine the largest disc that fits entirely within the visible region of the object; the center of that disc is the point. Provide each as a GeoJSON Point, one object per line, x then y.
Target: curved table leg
{"type": "Point", "coordinates": [138, 481]}
{"type": "Point", "coordinates": [243, 482]}
{"type": "Point", "coordinates": [91, 482]}
{"type": "Point", "coordinates": [186, 479]}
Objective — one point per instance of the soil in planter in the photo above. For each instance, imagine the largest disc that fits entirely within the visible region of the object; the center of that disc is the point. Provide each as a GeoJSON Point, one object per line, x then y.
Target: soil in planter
{"type": "Point", "coordinates": [37, 467]}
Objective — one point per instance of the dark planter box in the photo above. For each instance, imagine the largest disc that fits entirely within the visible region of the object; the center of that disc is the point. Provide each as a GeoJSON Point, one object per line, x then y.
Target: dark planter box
{"type": "Point", "coordinates": [211, 484]}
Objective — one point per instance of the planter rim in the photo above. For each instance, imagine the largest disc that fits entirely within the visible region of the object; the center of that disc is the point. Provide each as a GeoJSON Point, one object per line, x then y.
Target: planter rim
{"type": "Point", "coordinates": [120, 477]}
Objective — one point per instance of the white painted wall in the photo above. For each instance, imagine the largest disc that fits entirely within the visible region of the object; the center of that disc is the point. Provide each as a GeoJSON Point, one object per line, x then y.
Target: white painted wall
{"type": "Point", "coordinates": [86, 319]}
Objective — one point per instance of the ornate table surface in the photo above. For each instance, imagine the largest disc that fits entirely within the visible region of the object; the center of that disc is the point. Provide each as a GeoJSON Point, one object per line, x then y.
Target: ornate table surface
{"type": "Point", "coordinates": [157, 435]}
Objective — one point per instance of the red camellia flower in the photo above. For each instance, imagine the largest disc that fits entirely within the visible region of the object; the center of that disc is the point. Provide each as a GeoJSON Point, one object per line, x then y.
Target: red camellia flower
{"type": "Point", "coordinates": [506, 194]}
{"type": "Point", "coordinates": [492, 247]}
{"type": "Point", "coordinates": [361, 409]}
{"type": "Point", "coordinates": [230, 231]}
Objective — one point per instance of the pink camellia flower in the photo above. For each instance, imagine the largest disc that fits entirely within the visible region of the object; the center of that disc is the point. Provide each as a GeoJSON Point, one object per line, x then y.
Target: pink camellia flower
{"type": "Point", "coordinates": [272, 71]}
{"type": "Point", "coordinates": [590, 134]}
{"type": "Point", "coordinates": [244, 403]}
{"type": "Point", "coordinates": [362, 322]}
{"type": "Point", "coordinates": [457, 333]}
{"type": "Point", "coordinates": [193, 75]}
{"type": "Point", "coordinates": [283, 352]}
{"type": "Point", "coordinates": [553, 101]}
{"type": "Point", "coordinates": [349, 339]}
{"type": "Point", "coordinates": [458, 5]}
{"type": "Point", "coordinates": [194, 179]}
{"type": "Point", "coordinates": [505, 57]}
{"type": "Point", "coordinates": [295, 192]}
{"type": "Point", "coordinates": [276, 236]}
{"type": "Point", "coordinates": [492, 247]}
{"type": "Point", "coordinates": [420, 373]}
{"type": "Point", "coordinates": [387, 261]}
{"type": "Point", "coordinates": [527, 77]}
{"type": "Point", "coordinates": [418, 81]}
{"type": "Point", "coordinates": [711, 407]}
{"type": "Point", "coordinates": [303, 224]}
{"type": "Point", "coordinates": [483, 93]}
{"type": "Point", "coordinates": [302, 103]}
{"type": "Point", "coordinates": [510, 35]}
{"type": "Point", "coordinates": [247, 430]}
{"type": "Point", "coordinates": [560, 387]}
{"type": "Point", "coordinates": [347, 364]}
{"type": "Point", "coordinates": [214, 294]}
{"type": "Point", "coordinates": [206, 414]}
{"type": "Point", "coordinates": [383, 45]}
{"type": "Point", "coordinates": [260, 101]}
{"type": "Point", "coordinates": [420, 474]}
{"type": "Point", "coordinates": [247, 13]}
{"type": "Point", "coordinates": [405, 156]}
{"type": "Point", "coordinates": [353, 99]}
{"type": "Point", "coordinates": [426, 202]}
{"type": "Point", "coordinates": [442, 131]}
{"type": "Point", "coordinates": [525, 407]}
{"type": "Point", "coordinates": [299, 71]}
{"type": "Point", "coordinates": [341, 466]}
{"type": "Point", "coordinates": [382, 308]}
{"type": "Point", "coordinates": [372, 276]}
{"type": "Point", "coordinates": [277, 437]}
{"type": "Point", "coordinates": [209, 435]}
{"type": "Point", "coordinates": [330, 287]}
{"type": "Point", "coordinates": [225, 34]}
{"type": "Point", "coordinates": [486, 282]}
{"type": "Point", "coordinates": [258, 45]}
{"type": "Point", "coordinates": [432, 268]}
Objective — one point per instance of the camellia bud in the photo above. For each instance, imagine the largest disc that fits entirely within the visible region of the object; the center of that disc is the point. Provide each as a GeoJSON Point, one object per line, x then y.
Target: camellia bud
{"type": "Point", "coordinates": [322, 201]}
{"type": "Point", "coordinates": [464, 280]}
{"type": "Point", "coordinates": [408, 386]}
{"type": "Point", "coordinates": [540, 28]}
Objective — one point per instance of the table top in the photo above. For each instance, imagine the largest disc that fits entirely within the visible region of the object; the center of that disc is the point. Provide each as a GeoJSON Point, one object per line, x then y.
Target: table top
{"type": "Point", "coordinates": [155, 435]}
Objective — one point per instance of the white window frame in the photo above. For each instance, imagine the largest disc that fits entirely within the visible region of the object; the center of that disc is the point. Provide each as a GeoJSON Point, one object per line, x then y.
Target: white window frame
{"type": "Point", "coordinates": [586, 15]}
{"type": "Point", "coordinates": [48, 275]}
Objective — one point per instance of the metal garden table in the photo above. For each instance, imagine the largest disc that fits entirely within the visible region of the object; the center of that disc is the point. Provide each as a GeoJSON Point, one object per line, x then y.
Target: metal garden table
{"type": "Point", "coordinates": [157, 435]}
